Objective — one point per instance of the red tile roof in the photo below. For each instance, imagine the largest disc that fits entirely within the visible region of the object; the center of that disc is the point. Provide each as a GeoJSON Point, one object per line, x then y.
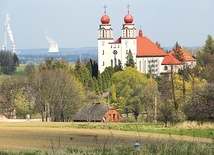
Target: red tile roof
{"type": "Point", "coordinates": [146, 48]}
{"type": "Point", "coordinates": [187, 57]}
{"type": "Point", "coordinates": [170, 60]}
{"type": "Point", "coordinates": [118, 41]}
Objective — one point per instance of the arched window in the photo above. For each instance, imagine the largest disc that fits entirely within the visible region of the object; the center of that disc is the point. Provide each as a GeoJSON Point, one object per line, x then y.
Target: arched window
{"type": "Point", "coordinates": [165, 68]}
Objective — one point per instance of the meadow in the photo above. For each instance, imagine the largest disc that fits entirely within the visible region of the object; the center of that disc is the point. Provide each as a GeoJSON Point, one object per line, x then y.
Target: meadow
{"type": "Point", "coordinates": [95, 138]}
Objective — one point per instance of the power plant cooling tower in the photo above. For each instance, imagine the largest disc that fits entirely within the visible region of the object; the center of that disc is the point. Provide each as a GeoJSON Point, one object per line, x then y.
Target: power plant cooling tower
{"type": "Point", "coordinates": [53, 47]}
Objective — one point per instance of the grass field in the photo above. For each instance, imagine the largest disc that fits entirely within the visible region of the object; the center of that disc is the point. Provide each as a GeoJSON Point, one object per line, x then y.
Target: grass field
{"type": "Point", "coordinates": [19, 72]}
{"type": "Point", "coordinates": [32, 136]}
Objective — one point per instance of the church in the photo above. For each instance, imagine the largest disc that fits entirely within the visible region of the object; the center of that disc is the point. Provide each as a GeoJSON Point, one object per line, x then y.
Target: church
{"type": "Point", "coordinates": [148, 57]}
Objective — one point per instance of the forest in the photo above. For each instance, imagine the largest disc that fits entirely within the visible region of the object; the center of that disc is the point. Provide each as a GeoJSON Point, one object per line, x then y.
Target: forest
{"type": "Point", "coordinates": [55, 90]}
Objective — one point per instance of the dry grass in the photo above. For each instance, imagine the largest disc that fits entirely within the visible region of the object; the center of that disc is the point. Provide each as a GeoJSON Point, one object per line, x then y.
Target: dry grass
{"type": "Point", "coordinates": [30, 136]}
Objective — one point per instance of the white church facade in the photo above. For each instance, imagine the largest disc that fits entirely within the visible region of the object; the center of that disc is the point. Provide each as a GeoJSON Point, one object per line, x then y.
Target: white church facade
{"type": "Point", "coordinates": [148, 57]}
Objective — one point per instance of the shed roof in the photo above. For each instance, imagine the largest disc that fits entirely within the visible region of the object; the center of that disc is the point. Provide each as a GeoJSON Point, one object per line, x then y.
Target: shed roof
{"type": "Point", "coordinates": [92, 112]}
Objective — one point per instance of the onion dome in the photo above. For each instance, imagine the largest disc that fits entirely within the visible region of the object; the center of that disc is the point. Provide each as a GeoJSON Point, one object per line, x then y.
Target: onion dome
{"type": "Point", "coordinates": [128, 19]}
{"type": "Point", "coordinates": [105, 19]}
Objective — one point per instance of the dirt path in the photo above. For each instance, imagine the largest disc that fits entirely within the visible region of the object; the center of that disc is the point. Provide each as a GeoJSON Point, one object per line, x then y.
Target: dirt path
{"type": "Point", "coordinates": [44, 138]}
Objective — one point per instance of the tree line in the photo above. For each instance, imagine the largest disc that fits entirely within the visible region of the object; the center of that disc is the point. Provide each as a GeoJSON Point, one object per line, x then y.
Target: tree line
{"type": "Point", "coordinates": [56, 90]}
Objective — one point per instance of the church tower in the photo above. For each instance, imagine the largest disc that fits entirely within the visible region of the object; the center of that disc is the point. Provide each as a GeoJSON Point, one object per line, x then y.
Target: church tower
{"type": "Point", "coordinates": [105, 35]}
{"type": "Point", "coordinates": [128, 37]}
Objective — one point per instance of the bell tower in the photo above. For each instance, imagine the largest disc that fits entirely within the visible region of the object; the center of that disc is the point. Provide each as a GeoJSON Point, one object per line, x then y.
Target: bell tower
{"type": "Point", "coordinates": [105, 35]}
{"type": "Point", "coordinates": [128, 37]}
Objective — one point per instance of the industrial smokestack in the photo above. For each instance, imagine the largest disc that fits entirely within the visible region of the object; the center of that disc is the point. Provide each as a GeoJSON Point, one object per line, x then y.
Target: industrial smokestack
{"type": "Point", "coordinates": [14, 48]}
{"type": "Point", "coordinates": [3, 48]}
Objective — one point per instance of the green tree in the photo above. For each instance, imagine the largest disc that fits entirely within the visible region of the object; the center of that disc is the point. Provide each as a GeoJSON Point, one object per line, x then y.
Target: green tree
{"type": "Point", "coordinates": [58, 94]}
{"type": "Point", "coordinates": [15, 60]}
{"type": "Point", "coordinates": [83, 74]}
{"type": "Point", "coordinates": [29, 68]}
{"type": "Point", "coordinates": [92, 67]}
{"type": "Point", "coordinates": [51, 64]}
{"type": "Point", "coordinates": [178, 54]}
{"type": "Point", "coordinates": [8, 61]}
{"type": "Point", "coordinates": [205, 59]}
{"type": "Point", "coordinates": [129, 87]}
{"type": "Point", "coordinates": [13, 89]}
{"type": "Point", "coordinates": [202, 107]}
{"type": "Point", "coordinates": [130, 60]}
{"type": "Point", "coordinates": [209, 45]}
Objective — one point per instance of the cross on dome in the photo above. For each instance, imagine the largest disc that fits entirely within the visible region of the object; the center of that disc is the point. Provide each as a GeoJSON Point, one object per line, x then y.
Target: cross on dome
{"type": "Point", "coordinates": [105, 18]}
{"type": "Point", "coordinates": [128, 19]}
{"type": "Point", "coordinates": [105, 8]}
{"type": "Point", "coordinates": [128, 6]}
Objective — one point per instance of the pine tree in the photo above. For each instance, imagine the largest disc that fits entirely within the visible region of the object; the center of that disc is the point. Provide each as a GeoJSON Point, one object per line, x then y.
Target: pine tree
{"type": "Point", "coordinates": [129, 60]}
{"type": "Point", "coordinates": [178, 54]}
{"type": "Point", "coordinates": [209, 45]}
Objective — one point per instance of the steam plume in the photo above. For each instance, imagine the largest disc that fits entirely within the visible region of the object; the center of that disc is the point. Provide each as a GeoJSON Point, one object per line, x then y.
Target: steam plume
{"type": "Point", "coordinates": [7, 26]}
{"type": "Point", "coordinates": [50, 40]}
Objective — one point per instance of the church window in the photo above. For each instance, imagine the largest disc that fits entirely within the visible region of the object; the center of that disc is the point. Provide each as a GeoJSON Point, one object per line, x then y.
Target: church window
{"type": "Point", "coordinates": [111, 62]}
{"type": "Point", "coordinates": [106, 35]}
{"type": "Point", "coordinates": [103, 63]}
{"type": "Point", "coordinates": [140, 66]}
{"type": "Point", "coordinates": [103, 33]}
{"type": "Point", "coordinates": [118, 46]}
{"type": "Point", "coordinates": [103, 52]}
{"type": "Point", "coordinates": [111, 46]}
{"type": "Point", "coordinates": [127, 51]}
{"type": "Point", "coordinates": [165, 68]}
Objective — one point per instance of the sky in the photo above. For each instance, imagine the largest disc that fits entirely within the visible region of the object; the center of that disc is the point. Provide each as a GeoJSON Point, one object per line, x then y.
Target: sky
{"type": "Point", "coordinates": [75, 23]}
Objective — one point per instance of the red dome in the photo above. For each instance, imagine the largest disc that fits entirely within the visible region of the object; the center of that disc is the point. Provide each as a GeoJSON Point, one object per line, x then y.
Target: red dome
{"type": "Point", "coordinates": [105, 19]}
{"type": "Point", "coordinates": [128, 19]}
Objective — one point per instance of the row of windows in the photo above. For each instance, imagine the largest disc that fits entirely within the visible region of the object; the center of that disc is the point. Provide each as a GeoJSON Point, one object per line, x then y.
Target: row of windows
{"type": "Point", "coordinates": [103, 52]}
{"type": "Point", "coordinates": [112, 62]}
{"type": "Point", "coordinates": [127, 33]}
{"type": "Point", "coordinates": [115, 46]}
{"type": "Point", "coordinates": [153, 61]}
{"type": "Point", "coordinates": [105, 34]}
{"type": "Point", "coordinates": [153, 65]}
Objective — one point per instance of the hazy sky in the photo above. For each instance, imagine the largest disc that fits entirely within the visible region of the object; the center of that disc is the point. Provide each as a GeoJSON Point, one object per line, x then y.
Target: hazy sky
{"type": "Point", "coordinates": [74, 23]}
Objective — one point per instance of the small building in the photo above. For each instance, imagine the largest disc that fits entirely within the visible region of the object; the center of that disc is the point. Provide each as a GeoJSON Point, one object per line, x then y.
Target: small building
{"type": "Point", "coordinates": [97, 112]}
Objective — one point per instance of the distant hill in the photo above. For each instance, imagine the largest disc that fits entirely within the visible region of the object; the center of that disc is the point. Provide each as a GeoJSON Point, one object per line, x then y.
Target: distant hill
{"type": "Point", "coordinates": [70, 54]}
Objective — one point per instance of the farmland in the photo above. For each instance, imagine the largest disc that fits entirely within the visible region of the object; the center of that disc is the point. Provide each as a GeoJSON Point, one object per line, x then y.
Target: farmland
{"type": "Point", "coordinates": [32, 136]}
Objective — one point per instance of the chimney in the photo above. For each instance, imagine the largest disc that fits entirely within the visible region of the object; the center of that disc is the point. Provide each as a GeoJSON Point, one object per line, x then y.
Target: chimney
{"type": "Point", "coordinates": [140, 33]}
{"type": "Point", "coordinates": [14, 48]}
{"type": "Point", "coordinates": [3, 48]}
